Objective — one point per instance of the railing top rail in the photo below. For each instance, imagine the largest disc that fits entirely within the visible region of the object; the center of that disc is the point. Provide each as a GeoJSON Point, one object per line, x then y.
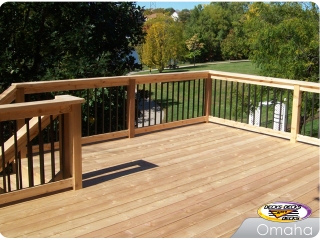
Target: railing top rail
{"type": "Point", "coordinates": [87, 83]}
{"type": "Point", "coordinates": [266, 81]}
{"type": "Point", "coordinates": [170, 77]}
{"type": "Point", "coordinates": [59, 105]}
{"type": "Point", "coordinates": [8, 95]}
{"type": "Point", "coordinates": [72, 84]}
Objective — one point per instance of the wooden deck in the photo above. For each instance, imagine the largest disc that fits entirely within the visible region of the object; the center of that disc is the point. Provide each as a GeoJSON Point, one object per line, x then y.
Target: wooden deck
{"type": "Point", "coordinates": [196, 181]}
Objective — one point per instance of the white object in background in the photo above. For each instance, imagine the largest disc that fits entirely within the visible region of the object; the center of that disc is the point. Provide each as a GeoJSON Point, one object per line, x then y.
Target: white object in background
{"type": "Point", "coordinates": [254, 119]}
{"type": "Point", "coordinates": [280, 117]}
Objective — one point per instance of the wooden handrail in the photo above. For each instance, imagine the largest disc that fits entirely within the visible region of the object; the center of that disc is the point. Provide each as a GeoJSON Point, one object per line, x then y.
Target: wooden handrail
{"type": "Point", "coordinates": [37, 108]}
{"type": "Point", "coordinates": [8, 96]}
{"type": "Point", "coordinates": [265, 81]}
{"type": "Point", "coordinates": [87, 83]}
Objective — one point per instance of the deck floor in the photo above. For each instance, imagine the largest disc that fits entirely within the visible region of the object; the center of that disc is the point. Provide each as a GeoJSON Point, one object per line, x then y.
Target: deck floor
{"type": "Point", "coordinates": [196, 181]}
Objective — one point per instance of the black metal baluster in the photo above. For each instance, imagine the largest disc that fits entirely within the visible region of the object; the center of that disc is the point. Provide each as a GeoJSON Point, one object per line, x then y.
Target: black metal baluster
{"type": "Point", "coordinates": [30, 157]}
{"type": "Point", "coordinates": [248, 113]}
{"type": "Point", "coordinates": [16, 153]}
{"type": "Point", "coordinates": [4, 180]}
{"type": "Point", "coordinates": [95, 111]}
{"type": "Point", "coordinates": [117, 108]}
{"type": "Point", "coordinates": [53, 165]}
{"type": "Point", "coordinates": [274, 105]}
{"type": "Point", "coordinates": [103, 110]}
{"type": "Point", "coordinates": [172, 102]}
{"type": "Point", "coordinates": [156, 103]}
{"type": "Point", "coordinates": [88, 114]}
{"type": "Point", "coordinates": [261, 93]}
{"type": "Point", "coordinates": [188, 100]}
{"type": "Point", "coordinates": [225, 100]}
{"type": "Point", "coordinates": [220, 90]}
{"type": "Point", "coordinates": [198, 111]}
{"type": "Point", "coordinates": [183, 88]}
{"type": "Point", "coordinates": [203, 97]}
{"type": "Point", "coordinates": [267, 112]}
{"type": "Point", "coordinates": [149, 97]}
{"type": "Point", "coordinates": [193, 99]}
{"type": "Point", "coordinates": [231, 93]}
{"type": "Point", "coordinates": [214, 98]}
{"type": "Point", "coordinates": [242, 101]}
{"type": "Point", "coordinates": [312, 114]}
{"type": "Point", "coordinates": [237, 90]}
{"type": "Point", "coordinates": [17, 159]}
{"type": "Point", "coordinates": [137, 105]}
{"type": "Point", "coordinates": [125, 89]}
{"type": "Point", "coordinates": [41, 152]}
{"type": "Point", "coordinates": [161, 118]}
{"type": "Point", "coordinates": [110, 108]}
{"type": "Point", "coordinates": [167, 101]}
{"type": "Point", "coordinates": [288, 107]}
{"type": "Point", "coordinates": [254, 104]}
{"type": "Point", "coordinates": [178, 103]}
{"type": "Point", "coordinates": [143, 103]}
{"type": "Point", "coordinates": [280, 113]}
{"type": "Point", "coordinates": [306, 94]}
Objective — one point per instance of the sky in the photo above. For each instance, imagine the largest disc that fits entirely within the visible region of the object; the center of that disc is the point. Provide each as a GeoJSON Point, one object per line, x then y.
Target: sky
{"type": "Point", "coordinates": [177, 5]}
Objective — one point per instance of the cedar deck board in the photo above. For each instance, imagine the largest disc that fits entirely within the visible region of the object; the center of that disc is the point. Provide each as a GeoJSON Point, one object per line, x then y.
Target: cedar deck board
{"type": "Point", "coordinates": [204, 172]}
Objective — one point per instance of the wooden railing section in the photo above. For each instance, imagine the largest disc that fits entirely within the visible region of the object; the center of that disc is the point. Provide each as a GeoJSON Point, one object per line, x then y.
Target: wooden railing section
{"type": "Point", "coordinates": [71, 108]}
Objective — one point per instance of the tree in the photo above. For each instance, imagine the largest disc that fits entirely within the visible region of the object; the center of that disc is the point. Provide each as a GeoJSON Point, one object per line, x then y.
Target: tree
{"type": "Point", "coordinates": [60, 40]}
{"type": "Point", "coordinates": [184, 15]}
{"type": "Point", "coordinates": [194, 46]}
{"type": "Point", "coordinates": [213, 23]}
{"type": "Point", "coordinates": [163, 42]}
{"type": "Point", "coordinates": [235, 45]}
{"type": "Point", "coordinates": [284, 42]}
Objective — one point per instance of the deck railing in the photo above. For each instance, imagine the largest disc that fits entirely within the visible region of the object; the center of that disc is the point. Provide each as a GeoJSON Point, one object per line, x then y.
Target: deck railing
{"type": "Point", "coordinates": [23, 174]}
{"type": "Point", "coordinates": [128, 105]}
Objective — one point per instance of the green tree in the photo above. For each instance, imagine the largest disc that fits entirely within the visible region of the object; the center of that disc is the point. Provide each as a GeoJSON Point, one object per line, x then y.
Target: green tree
{"type": "Point", "coordinates": [284, 39]}
{"type": "Point", "coordinates": [284, 42]}
{"type": "Point", "coordinates": [235, 45]}
{"type": "Point", "coordinates": [213, 23]}
{"type": "Point", "coordinates": [60, 40]}
{"type": "Point", "coordinates": [194, 46]}
{"type": "Point", "coordinates": [163, 42]}
{"type": "Point", "coordinates": [184, 15]}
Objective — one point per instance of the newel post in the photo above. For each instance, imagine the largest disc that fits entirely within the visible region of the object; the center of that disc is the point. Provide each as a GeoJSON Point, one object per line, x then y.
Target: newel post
{"type": "Point", "coordinates": [70, 144]}
{"type": "Point", "coordinates": [208, 97]}
{"type": "Point", "coordinates": [131, 107]}
{"type": "Point", "coordinates": [296, 109]}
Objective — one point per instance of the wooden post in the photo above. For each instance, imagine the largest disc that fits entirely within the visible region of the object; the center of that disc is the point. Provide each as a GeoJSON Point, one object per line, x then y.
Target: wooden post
{"type": "Point", "coordinates": [208, 97]}
{"type": "Point", "coordinates": [131, 107]}
{"type": "Point", "coordinates": [77, 150]}
{"type": "Point", "coordinates": [296, 109]}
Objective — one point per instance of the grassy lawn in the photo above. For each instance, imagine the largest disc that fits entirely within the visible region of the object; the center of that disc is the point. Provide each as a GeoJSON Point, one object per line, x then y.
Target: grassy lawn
{"type": "Point", "coordinates": [183, 100]}
{"type": "Point", "coordinates": [236, 67]}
